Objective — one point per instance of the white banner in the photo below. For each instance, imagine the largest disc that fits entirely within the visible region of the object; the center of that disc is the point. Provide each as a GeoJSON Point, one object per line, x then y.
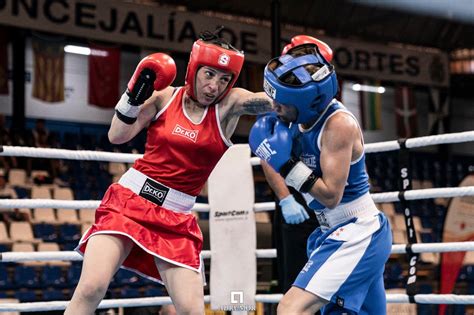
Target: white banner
{"type": "Point", "coordinates": [232, 232]}
{"type": "Point", "coordinates": [168, 29]}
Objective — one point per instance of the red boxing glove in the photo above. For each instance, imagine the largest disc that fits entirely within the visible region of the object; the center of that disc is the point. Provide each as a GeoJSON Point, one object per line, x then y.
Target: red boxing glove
{"type": "Point", "coordinates": [154, 72]}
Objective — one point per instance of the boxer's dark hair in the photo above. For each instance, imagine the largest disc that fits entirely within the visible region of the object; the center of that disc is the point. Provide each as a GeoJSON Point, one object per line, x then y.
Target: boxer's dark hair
{"type": "Point", "coordinates": [215, 39]}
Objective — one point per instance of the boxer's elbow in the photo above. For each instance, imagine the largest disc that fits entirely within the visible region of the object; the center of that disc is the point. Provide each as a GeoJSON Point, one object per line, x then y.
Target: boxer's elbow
{"type": "Point", "coordinates": [332, 202]}
{"type": "Point", "coordinates": [331, 198]}
{"type": "Point", "coordinates": [116, 138]}
{"type": "Point", "coordinates": [119, 132]}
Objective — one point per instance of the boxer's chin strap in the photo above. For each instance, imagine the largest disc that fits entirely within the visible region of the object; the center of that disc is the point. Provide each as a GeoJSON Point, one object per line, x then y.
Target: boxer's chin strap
{"type": "Point", "coordinates": [298, 175]}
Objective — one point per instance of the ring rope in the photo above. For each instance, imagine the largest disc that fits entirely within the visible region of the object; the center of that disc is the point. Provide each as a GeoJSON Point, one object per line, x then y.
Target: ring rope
{"type": "Point", "coordinates": [395, 298]}
{"type": "Point", "coordinates": [258, 207]}
{"type": "Point", "coordinates": [269, 253]}
{"type": "Point", "coordinates": [130, 158]}
{"type": "Point", "coordinates": [419, 142]}
{"type": "Point", "coordinates": [263, 298]}
{"type": "Point", "coordinates": [86, 155]}
{"type": "Point", "coordinates": [68, 204]}
{"type": "Point", "coordinates": [260, 253]}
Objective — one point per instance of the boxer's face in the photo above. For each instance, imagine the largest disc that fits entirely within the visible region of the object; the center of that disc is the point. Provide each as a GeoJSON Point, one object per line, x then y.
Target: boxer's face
{"type": "Point", "coordinates": [286, 113]}
{"type": "Point", "coordinates": [210, 84]}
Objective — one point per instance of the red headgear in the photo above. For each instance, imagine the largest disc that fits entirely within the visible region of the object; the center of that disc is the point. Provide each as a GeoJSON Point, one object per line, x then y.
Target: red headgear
{"type": "Point", "coordinates": [216, 56]}
{"type": "Point", "coordinates": [297, 40]}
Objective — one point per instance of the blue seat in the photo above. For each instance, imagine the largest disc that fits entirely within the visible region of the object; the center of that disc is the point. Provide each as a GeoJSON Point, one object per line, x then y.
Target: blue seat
{"type": "Point", "coordinates": [129, 293]}
{"type": "Point", "coordinates": [470, 273]}
{"type": "Point", "coordinates": [393, 272]}
{"type": "Point", "coordinates": [24, 295]}
{"type": "Point", "coordinates": [152, 291]}
{"type": "Point", "coordinates": [124, 276]}
{"type": "Point", "coordinates": [67, 246]}
{"type": "Point", "coordinates": [69, 232]}
{"type": "Point", "coordinates": [25, 276]}
{"type": "Point", "coordinates": [21, 192]}
{"type": "Point", "coordinates": [5, 248]}
{"type": "Point", "coordinates": [51, 294]}
{"type": "Point", "coordinates": [426, 238]}
{"type": "Point", "coordinates": [73, 274]}
{"type": "Point", "coordinates": [46, 232]}
{"type": "Point", "coordinates": [5, 280]}
{"type": "Point", "coordinates": [53, 276]}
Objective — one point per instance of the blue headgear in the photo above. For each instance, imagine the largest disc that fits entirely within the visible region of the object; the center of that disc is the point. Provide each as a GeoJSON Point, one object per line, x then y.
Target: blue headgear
{"type": "Point", "coordinates": [312, 94]}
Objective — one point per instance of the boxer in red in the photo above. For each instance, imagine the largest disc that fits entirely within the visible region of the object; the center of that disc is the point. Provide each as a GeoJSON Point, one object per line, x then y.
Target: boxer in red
{"type": "Point", "coordinates": [144, 222]}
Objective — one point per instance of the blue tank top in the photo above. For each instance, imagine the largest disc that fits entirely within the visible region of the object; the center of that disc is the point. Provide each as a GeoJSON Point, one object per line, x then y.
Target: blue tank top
{"type": "Point", "coordinates": [306, 146]}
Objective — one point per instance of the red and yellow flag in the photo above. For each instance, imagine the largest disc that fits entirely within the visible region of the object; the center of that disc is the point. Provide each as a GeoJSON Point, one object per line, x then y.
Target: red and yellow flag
{"type": "Point", "coordinates": [48, 69]}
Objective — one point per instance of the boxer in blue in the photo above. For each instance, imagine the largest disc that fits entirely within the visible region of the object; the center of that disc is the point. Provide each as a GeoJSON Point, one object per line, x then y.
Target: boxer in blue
{"type": "Point", "coordinates": [317, 146]}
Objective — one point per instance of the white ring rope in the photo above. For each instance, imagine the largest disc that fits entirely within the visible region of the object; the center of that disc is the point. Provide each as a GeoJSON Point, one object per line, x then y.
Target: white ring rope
{"type": "Point", "coordinates": [263, 298]}
{"type": "Point", "coordinates": [425, 194]}
{"type": "Point", "coordinates": [130, 158]}
{"type": "Point", "coordinates": [258, 207]}
{"type": "Point", "coordinates": [111, 303]}
{"type": "Point", "coordinates": [396, 298]}
{"type": "Point", "coordinates": [85, 155]}
{"type": "Point", "coordinates": [266, 253]}
{"type": "Point", "coordinates": [419, 142]}
{"type": "Point", "coordinates": [260, 253]}
{"type": "Point", "coordinates": [68, 204]}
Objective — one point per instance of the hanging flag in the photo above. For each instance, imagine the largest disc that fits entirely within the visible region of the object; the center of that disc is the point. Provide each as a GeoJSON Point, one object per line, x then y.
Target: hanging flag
{"type": "Point", "coordinates": [3, 61]}
{"type": "Point", "coordinates": [458, 227]}
{"type": "Point", "coordinates": [370, 108]}
{"type": "Point", "coordinates": [48, 68]}
{"type": "Point", "coordinates": [405, 111]}
{"type": "Point", "coordinates": [438, 117]}
{"type": "Point", "coordinates": [104, 75]}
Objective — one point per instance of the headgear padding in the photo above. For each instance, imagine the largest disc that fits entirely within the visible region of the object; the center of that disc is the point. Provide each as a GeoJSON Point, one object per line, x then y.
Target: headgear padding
{"type": "Point", "coordinates": [310, 93]}
{"type": "Point", "coordinates": [215, 55]}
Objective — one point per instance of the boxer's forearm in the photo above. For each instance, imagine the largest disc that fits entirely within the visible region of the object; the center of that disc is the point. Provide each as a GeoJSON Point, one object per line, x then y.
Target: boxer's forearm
{"type": "Point", "coordinates": [121, 132]}
{"type": "Point", "coordinates": [276, 182]}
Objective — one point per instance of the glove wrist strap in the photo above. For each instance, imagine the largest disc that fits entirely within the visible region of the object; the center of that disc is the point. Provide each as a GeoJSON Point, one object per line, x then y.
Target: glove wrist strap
{"type": "Point", "coordinates": [126, 112]}
{"type": "Point", "coordinates": [300, 176]}
{"type": "Point", "coordinates": [288, 166]}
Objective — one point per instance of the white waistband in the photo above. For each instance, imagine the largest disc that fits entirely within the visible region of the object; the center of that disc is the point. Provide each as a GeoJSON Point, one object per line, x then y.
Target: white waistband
{"type": "Point", "coordinates": [362, 207]}
{"type": "Point", "coordinates": [156, 192]}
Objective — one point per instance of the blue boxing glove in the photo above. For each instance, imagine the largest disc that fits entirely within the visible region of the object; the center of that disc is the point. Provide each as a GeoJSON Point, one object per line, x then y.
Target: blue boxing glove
{"type": "Point", "coordinates": [293, 211]}
{"type": "Point", "coordinates": [270, 140]}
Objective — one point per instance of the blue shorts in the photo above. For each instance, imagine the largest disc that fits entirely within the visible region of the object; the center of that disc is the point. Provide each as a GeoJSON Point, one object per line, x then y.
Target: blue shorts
{"type": "Point", "coordinates": [346, 265]}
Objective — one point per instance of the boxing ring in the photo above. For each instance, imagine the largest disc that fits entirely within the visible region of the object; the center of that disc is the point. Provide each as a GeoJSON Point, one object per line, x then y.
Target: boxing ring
{"type": "Point", "coordinates": [393, 196]}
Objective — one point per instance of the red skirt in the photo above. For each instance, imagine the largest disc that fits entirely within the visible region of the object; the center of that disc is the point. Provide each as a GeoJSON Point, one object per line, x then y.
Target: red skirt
{"type": "Point", "coordinates": [157, 232]}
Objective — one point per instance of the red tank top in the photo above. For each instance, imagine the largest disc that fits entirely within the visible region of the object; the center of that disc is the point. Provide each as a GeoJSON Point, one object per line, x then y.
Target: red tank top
{"type": "Point", "coordinates": [180, 153]}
